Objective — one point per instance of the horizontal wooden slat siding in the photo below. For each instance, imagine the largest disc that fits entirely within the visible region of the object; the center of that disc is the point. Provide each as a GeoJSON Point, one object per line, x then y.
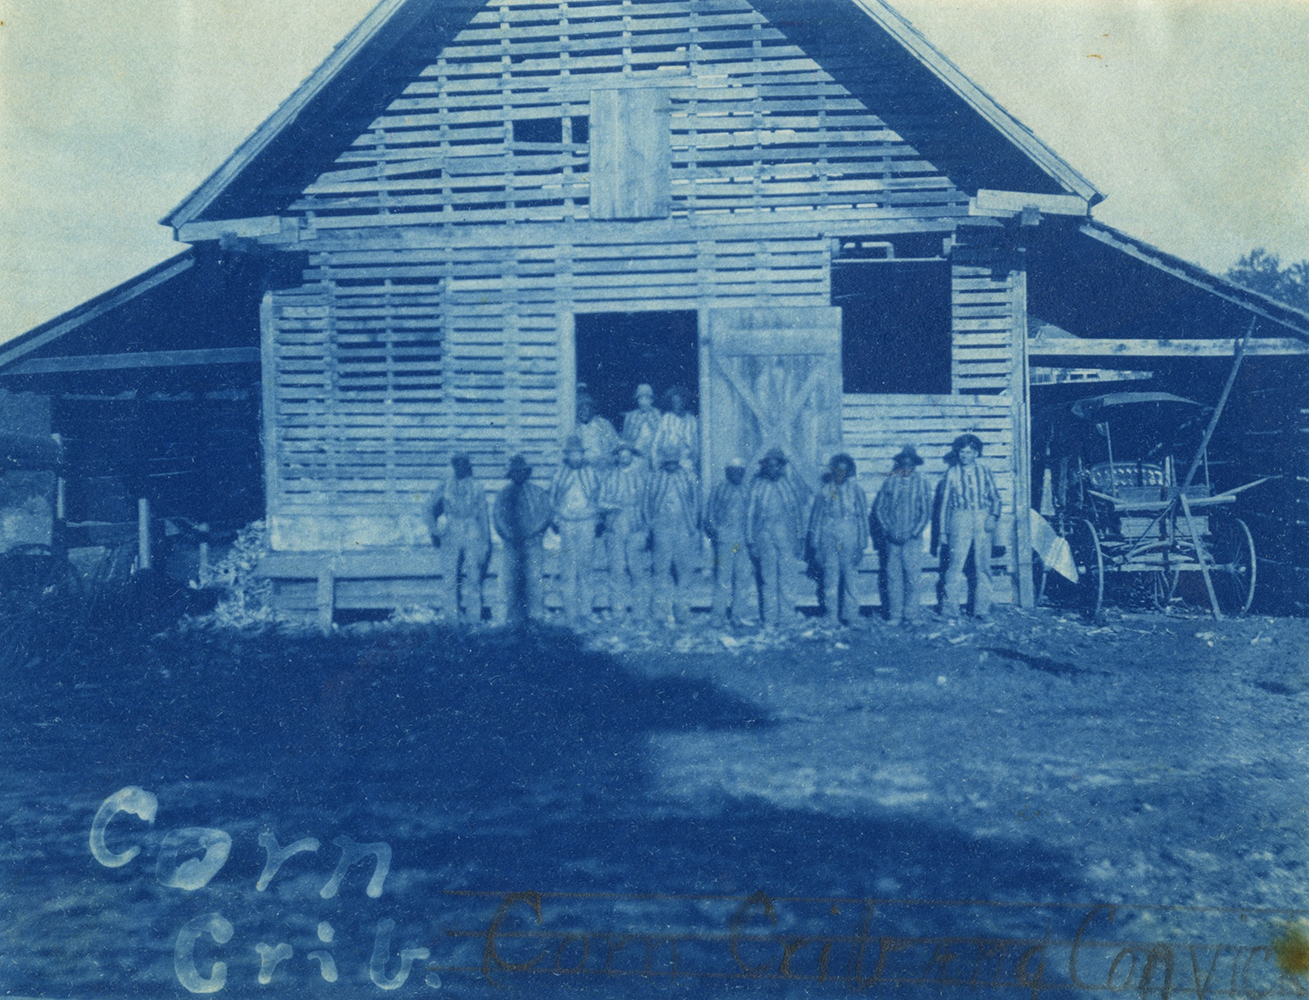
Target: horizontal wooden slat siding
{"type": "Point", "coordinates": [982, 318]}
{"type": "Point", "coordinates": [389, 361]}
{"type": "Point", "coordinates": [757, 127]}
{"type": "Point", "coordinates": [875, 427]}
{"type": "Point", "coordinates": [359, 386]}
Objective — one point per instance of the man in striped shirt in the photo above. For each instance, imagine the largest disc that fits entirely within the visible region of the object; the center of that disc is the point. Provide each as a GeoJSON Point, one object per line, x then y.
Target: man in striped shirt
{"type": "Point", "coordinates": [622, 493]}
{"type": "Point", "coordinates": [970, 513]}
{"type": "Point", "coordinates": [903, 508]}
{"type": "Point", "coordinates": [678, 430]}
{"type": "Point", "coordinates": [672, 509]}
{"type": "Point", "coordinates": [775, 532]}
{"type": "Point", "coordinates": [640, 425]}
{"type": "Point", "coordinates": [838, 535]}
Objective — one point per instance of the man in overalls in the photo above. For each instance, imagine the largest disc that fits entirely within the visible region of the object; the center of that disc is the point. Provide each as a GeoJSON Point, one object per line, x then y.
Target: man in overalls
{"type": "Point", "coordinates": [838, 535]}
{"type": "Point", "coordinates": [734, 590]}
{"type": "Point", "coordinates": [622, 494]}
{"type": "Point", "coordinates": [575, 493]}
{"type": "Point", "coordinates": [774, 530]}
{"type": "Point", "coordinates": [522, 514]}
{"type": "Point", "coordinates": [672, 509]}
{"type": "Point", "coordinates": [458, 522]}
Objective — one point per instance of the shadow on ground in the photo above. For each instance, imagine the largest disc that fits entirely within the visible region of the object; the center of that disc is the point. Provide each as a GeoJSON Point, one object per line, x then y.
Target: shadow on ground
{"type": "Point", "coordinates": [490, 763]}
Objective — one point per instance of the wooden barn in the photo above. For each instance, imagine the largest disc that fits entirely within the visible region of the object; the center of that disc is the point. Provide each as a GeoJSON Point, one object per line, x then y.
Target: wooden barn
{"type": "Point", "coordinates": [801, 212]}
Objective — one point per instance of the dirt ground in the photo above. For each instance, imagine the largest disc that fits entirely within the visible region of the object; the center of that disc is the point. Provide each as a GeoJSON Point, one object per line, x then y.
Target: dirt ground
{"type": "Point", "coordinates": [635, 813]}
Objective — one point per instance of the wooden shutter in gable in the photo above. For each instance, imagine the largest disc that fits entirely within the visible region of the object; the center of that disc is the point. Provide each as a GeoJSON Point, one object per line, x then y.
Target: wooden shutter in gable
{"type": "Point", "coordinates": [631, 154]}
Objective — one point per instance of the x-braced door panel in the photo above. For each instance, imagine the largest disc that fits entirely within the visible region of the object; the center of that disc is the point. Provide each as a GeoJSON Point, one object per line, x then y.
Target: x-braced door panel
{"type": "Point", "coordinates": [774, 381]}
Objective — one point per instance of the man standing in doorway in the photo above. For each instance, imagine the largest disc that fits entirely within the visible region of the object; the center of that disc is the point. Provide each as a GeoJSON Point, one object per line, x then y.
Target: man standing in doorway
{"type": "Point", "coordinates": [597, 434]}
{"type": "Point", "coordinates": [970, 513]}
{"type": "Point", "coordinates": [774, 531]}
{"type": "Point", "coordinates": [522, 513]}
{"type": "Point", "coordinates": [640, 425]}
{"type": "Point", "coordinates": [903, 508]}
{"type": "Point", "coordinates": [457, 520]}
{"type": "Point", "coordinates": [575, 493]}
{"type": "Point", "coordinates": [838, 535]}
{"type": "Point", "coordinates": [679, 431]}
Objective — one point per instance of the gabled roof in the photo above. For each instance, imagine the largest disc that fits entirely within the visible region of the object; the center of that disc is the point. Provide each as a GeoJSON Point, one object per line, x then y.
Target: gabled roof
{"type": "Point", "coordinates": [862, 43]}
{"type": "Point", "coordinates": [969, 98]}
{"type": "Point", "coordinates": [365, 72]}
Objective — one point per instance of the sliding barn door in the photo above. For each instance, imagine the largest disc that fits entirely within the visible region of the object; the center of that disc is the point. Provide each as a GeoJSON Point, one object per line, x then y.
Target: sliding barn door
{"type": "Point", "coordinates": [774, 380]}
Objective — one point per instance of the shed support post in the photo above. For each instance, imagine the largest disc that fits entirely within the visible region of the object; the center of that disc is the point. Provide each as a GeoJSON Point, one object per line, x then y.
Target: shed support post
{"type": "Point", "coordinates": [143, 534]}
{"type": "Point", "coordinates": [326, 596]}
{"type": "Point", "coordinates": [1022, 411]}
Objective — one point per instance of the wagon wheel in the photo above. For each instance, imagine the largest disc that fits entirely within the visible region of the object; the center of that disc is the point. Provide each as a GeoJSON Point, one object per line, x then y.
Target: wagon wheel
{"type": "Point", "coordinates": [1084, 540]}
{"type": "Point", "coordinates": [1232, 563]}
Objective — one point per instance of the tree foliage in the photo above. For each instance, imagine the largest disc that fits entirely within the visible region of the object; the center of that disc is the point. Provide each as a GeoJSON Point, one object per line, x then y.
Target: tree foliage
{"type": "Point", "coordinates": [1261, 271]}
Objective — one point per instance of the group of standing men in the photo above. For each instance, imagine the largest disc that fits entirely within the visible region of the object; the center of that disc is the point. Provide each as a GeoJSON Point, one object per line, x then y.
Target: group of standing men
{"type": "Point", "coordinates": [637, 496]}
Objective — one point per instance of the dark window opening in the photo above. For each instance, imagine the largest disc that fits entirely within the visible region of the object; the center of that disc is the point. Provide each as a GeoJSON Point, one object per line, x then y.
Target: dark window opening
{"type": "Point", "coordinates": [895, 326]}
{"type": "Point", "coordinates": [616, 352]}
{"type": "Point", "coordinates": [551, 130]}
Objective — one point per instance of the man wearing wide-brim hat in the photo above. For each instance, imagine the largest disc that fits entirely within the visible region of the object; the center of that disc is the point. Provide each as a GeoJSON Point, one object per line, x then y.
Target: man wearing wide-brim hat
{"type": "Point", "coordinates": [522, 513]}
{"type": "Point", "coordinates": [457, 519]}
{"type": "Point", "coordinates": [775, 532]}
{"type": "Point", "coordinates": [672, 509]}
{"type": "Point", "coordinates": [838, 535]}
{"type": "Point", "coordinates": [734, 590]}
{"type": "Point", "coordinates": [640, 425]}
{"type": "Point", "coordinates": [902, 510]}
{"type": "Point", "coordinates": [575, 493]}
{"type": "Point", "coordinates": [970, 514]}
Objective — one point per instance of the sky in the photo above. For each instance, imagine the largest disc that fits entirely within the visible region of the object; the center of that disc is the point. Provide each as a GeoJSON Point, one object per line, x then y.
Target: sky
{"type": "Point", "coordinates": [1191, 116]}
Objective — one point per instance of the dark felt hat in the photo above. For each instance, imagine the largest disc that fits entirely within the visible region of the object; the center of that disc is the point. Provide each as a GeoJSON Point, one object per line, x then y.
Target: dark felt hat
{"type": "Point", "coordinates": [908, 456]}
{"type": "Point", "coordinates": [842, 459]}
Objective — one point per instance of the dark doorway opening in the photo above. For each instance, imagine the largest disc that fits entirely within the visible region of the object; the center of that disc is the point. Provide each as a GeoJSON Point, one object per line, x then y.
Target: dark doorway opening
{"type": "Point", "coordinates": [895, 325]}
{"type": "Point", "coordinates": [616, 352]}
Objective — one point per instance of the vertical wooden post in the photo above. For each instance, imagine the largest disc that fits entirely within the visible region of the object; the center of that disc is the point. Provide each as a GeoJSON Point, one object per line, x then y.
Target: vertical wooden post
{"type": "Point", "coordinates": [567, 373]}
{"type": "Point", "coordinates": [268, 409]}
{"type": "Point", "coordinates": [143, 533]}
{"type": "Point", "coordinates": [202, 572]}
{"type": "Point", "coordinates": [1022, 418]}
{"type": "Point", "coordinates": [61, 498]}
{"type": "Point", "coordinates": [326, 596]}
{"type": "Point", "coordinates": [707, 473]}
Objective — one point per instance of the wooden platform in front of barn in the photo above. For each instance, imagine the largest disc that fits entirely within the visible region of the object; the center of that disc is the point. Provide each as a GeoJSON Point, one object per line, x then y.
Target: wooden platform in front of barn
{"type": "Point", "coordinates": [317, 585]}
